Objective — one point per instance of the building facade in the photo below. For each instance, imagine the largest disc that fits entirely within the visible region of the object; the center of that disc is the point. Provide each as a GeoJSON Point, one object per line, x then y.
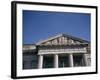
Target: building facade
{"type": "Point", "coordinates": [57, 52]}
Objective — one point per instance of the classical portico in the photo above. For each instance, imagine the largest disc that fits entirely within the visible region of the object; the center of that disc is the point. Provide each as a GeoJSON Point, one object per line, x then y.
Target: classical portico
{"type": "Point", "coordinates": [68, 51]}
{"type": "Point", "coordinates": [60, 51]}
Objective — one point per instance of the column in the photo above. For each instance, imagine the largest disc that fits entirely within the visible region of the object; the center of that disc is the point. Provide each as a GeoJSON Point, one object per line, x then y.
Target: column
{"type": "Point", "coordinates": [85, 59]}
{"type": "Point", "coordinates": [71, 63]}
{"type": "Point", "coordinates": [40, 61]}
{"type": "Point", "coordinates": [55, 60]}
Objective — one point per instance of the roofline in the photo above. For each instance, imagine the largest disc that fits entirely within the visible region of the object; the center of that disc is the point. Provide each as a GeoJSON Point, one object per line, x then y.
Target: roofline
{"type": "Point", "coordinates": [50, 38]}
{"type": "Point", "coordinates": [80, 39]}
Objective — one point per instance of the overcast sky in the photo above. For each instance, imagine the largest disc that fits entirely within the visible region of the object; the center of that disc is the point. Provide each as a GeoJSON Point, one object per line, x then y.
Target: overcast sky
{"type": "Point", "coordinates": [39, 25]}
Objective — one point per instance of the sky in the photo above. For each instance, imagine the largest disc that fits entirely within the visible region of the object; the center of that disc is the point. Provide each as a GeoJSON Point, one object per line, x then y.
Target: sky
{"type": "Point", "coordinates": [39, 25]}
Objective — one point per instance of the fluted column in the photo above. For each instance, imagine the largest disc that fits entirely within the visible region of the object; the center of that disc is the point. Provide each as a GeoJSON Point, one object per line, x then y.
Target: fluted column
{"type": "Point", "coordinates": [40, 61]}
{"type": "Point", "coordinates": [55, 60]}
{"type": "Point", "coordinates": [71, 63]}
{"type": "Point", "coordinates": [85, 59]}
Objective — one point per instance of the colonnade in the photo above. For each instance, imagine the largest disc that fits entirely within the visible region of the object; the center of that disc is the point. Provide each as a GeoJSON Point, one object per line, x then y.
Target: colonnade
{"type": "Point", "coordinates": [56, 60]}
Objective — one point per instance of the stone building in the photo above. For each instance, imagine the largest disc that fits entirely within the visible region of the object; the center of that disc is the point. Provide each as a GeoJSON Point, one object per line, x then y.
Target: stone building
{"type": "Point", "coordinates": [57, 52]}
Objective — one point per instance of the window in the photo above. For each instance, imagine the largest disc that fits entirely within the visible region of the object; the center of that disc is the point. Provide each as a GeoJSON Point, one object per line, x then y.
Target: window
{"type": "Point", "coordinates": [33, 64]}
{"type": "Point", "coordinates": [26, 65]}
{"type": "Point", "coordinates": [78, 60]}
{"type": "Point", "coordinates": [63, 61]}
{"type": "Point", "coordinates": [48, 61]}
{"type": "Point", "coordinates": [30, 60]}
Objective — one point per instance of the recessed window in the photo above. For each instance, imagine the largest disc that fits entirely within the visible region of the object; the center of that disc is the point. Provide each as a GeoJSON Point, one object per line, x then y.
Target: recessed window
{"type": "Point", "coordinates": [63, 61]}
{"type": "Point", "coordinates": [78, 60]}
{"type": "Point", "coordinates": [48, 61]}
{"type": "Point", "coordinates": [30, 60]}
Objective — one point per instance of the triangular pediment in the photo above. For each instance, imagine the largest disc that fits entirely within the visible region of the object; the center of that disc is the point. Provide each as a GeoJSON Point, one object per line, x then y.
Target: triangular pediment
{"type": "Point", "coordinates": [61, 39]}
